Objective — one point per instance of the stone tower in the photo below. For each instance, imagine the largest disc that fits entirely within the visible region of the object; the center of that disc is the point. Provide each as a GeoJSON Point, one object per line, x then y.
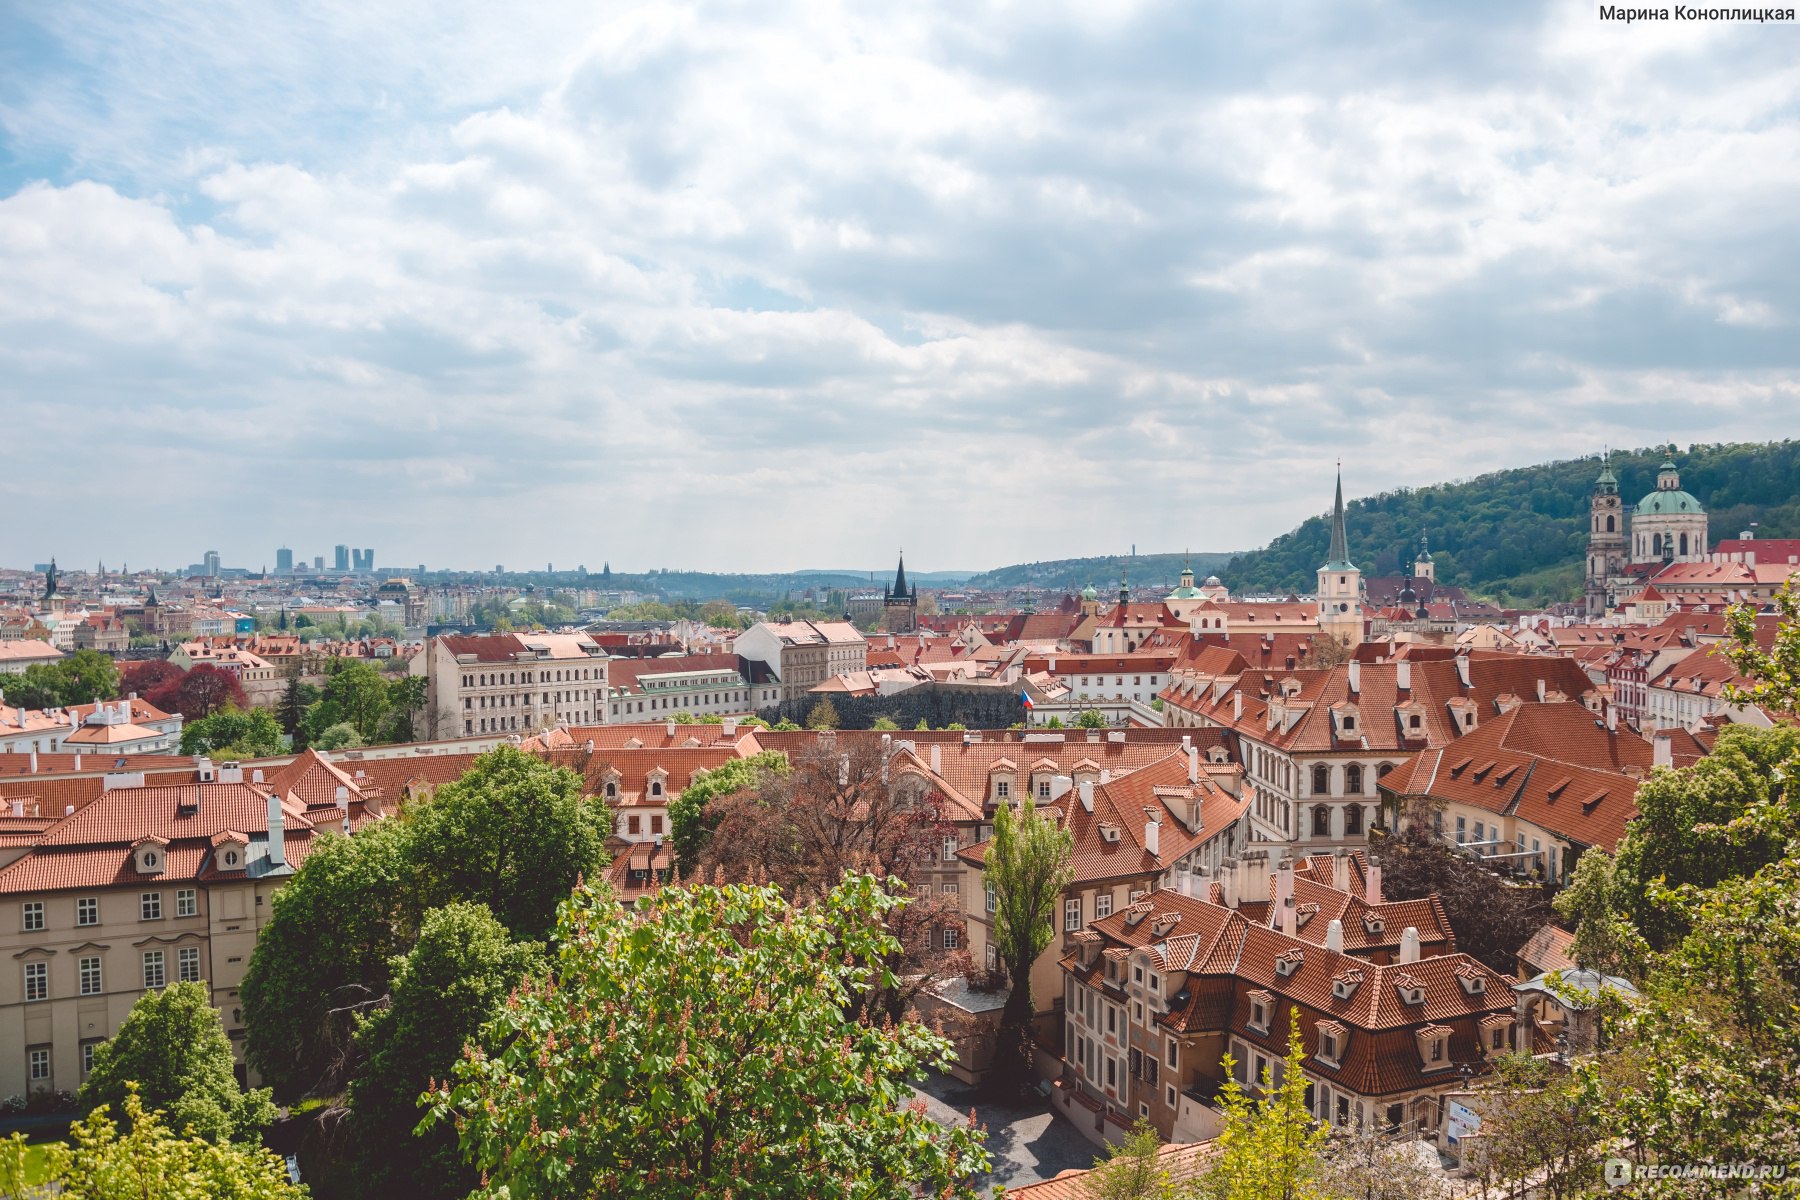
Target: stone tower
{"type": "Point", "coordinates": [1340, 582]}
{"type": "Point", "coordinates": [1606, 543]}
{"type": "Point", "coordinates": [900, 604]}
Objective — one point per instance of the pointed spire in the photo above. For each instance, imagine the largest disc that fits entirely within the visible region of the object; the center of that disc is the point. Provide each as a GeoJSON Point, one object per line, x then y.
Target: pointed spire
{"type": "Point", "coordinates": [1340, 540]}
{"type": "Point", "coordinates": [900, 576]}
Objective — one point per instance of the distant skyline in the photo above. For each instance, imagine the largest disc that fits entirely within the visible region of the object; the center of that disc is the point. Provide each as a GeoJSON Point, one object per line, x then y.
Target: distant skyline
{"type": "Point", "coordinates": [748, 288]}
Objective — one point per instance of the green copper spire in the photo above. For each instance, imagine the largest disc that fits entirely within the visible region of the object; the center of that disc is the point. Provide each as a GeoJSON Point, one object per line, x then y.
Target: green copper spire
{"type": "Point", "coordinates": [1340, 540]}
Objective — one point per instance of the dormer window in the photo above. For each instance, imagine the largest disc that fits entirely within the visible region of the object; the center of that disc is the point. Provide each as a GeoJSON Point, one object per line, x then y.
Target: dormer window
{"type": "Point", "coordinates": [1288, 961]}
{"type": "Point", "coordinates": [1109, 832]}
{"type": "Point", "coordinates": [1373, 925]}
{"type": "Point", "coordinates": [1331, 1043]}
{"type": "Point", "coordinates": [612, 789]}
{"type": "Point", "coordinates": [1262, 1008]}
{"type": "Point", "coordinates": [1473, 982]}
{"type": "Point", "coordinates": [1434, 1047]}
{"type": "Point", "coordinates": [656, 787]}
{"type": "Point", "coordinates": [1409, 990]}
{"type": "Point", "coordinates": [1344, 985]}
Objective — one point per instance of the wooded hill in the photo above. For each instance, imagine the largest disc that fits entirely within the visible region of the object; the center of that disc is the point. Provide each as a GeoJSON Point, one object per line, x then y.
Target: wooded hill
{"type": "Point", "coordinates": [1520, 535]}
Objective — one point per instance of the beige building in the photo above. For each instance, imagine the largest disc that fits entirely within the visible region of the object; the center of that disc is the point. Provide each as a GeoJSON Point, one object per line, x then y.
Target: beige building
{"type": "Point", "coordinates": [143, 887]}
{"type": "Point", "coordinates": [803, 654]}
{"type": "Point", "coordinates": [510, 683]}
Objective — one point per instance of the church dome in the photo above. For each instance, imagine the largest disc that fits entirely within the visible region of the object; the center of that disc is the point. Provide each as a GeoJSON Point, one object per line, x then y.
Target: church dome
{"type": "Point", "coordinates": [1088, 593]}
{"type": "Point", "coordinates": [1212, 581]}
{"type": "Point", "coordinates": [1668, 502]}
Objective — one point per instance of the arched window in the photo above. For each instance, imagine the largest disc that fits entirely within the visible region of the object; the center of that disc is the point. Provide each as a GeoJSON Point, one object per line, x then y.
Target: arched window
{"type": "Point", "coordinates": [1353, 779]}
{"type": "Point", "coordinates": [1656, 543]}
{"type": "Point", "coordinates": [1381, 772]}
{"type": "Point", "coordinates": [1321, 780]}
{"type": "Point", "coordinates": [1353, 820]}
{"type": "Point", "coordinates": [1321, 821]}
{"type": "Point", "coordinates": [1684, 545]}
{"type": "Point", "coordinates": [1609, 524]}
{"type": "Point", "coordinates": [656, 787]}
{"type": "Point", "coordinates": [612, 790]}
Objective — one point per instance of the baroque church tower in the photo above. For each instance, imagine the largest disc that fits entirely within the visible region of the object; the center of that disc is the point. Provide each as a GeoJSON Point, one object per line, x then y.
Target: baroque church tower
{"type": "Point", "coordinates": [1606, 543]}
{"type": "Point", "coordinates": [1340, 582]}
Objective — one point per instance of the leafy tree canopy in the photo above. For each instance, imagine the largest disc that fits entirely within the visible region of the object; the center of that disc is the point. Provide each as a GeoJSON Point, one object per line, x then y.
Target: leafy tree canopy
{"type": "Point", "coordinates": [172, 1049]}
{"type": "Point", "coordinates": [234, 733]}
{"type": "Point", "coordinates": [699, 1047]}
{"type": "Point", "coordinates": [692, 817]}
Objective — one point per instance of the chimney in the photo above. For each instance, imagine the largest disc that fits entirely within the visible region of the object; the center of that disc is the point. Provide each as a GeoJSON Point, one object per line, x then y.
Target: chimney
{"type": "Point", "coordinates": [277, 833]}
{"type": "Point", "coordinates": [1284, 897]}
{"type": "Point", "coordinates": [1462, 669]}
{"type": "Point", "coordinates": [78, 762]}
{"type": "Point", "coordinates": [1372, 890]}
{"type": "Point", "coordinates": [728, 727]}
{"type": "Point", "coordinates": [1662, 749]}
{"type": "Point", "coordinates": [18, 808]}
{"type": "Point", "coordinates": [68, 810]}
{"type": "Point", "coordinates": [1060, 786]}
{"type": "Point", "coordinates": [1355, 671]}
{"type": "Point", "coordinates": [256, 776]}
{"type": "Point", "coordinates": [937, 759]}
{"type": "Point", "coordinates": [1087, 794]}
{"type": "Point", "coordinates": [1237, 706]}
{"type": "Point", "coordinates": [1105, 776]}
{"type": "Point", "coordinates": [1193, 755]}
{"type": "Point", "coordinates": [1334, 936]}
{"type": "Point", "coordinates": [34, 760]}
{"type": "Point", "coordinates": [1340, 873]}
{"type": "Point", "coordinates": [1409, 945]}
{"type": "Point", "coordinates": [1543, 689]}
{"type": "Point", "coordinates": [1151, 842]}
{"type": "Point", "coordinates": [341, 797]}
{"type": "Point", "coordinates": [1612, 718]}
{"type": "Point", "coordinates": [671, 728]}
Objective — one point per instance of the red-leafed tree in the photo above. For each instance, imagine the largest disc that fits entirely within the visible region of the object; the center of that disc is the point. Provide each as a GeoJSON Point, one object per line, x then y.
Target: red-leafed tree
{"type": "Point", "coordinates": [841, 812]}
{"type": "Point", "coordinates": [199, 692]}
{"type": "Point", "coordinates": [147, 676]}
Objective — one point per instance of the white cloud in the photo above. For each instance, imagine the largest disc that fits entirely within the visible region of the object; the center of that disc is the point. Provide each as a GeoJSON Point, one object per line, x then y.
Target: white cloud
{"type": "Point", "coordinates": [751, 287]}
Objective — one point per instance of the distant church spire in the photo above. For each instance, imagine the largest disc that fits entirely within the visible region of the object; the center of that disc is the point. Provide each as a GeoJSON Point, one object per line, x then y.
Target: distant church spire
{"type": "Point", "coordinates": [1340, 540]}
{"type": "Point", "coordinates": [900, 577]}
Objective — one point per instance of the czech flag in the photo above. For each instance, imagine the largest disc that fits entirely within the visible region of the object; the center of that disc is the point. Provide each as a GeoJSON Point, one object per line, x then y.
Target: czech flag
{"type": "Point", "coordinates": [1026, 697]}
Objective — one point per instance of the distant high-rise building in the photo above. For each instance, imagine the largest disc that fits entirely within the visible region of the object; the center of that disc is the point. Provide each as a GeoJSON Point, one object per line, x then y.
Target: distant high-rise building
{"type": "Point", "coordinates": [284, 561]}
{"type": "Point", "coordinates": [318, 562]}
{"type": "Point", "coordinates": [342, 561]}
{"type": "Point", "coordinates": [211, 562]}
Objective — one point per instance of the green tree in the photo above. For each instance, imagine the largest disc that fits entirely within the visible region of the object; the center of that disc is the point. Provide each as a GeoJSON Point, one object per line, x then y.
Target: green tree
{"type": "Point", "coordinates": [691, 815]}
{"type": "Point", "coordinates": [824, 715]}
{"type": "Point", "coordinates": [884, 723]}
{"type": "Point", "coordinates": [1773, 673]}
{"type": "Point", "coordinates": [1131, 1170]}
{"type": "Point", "coordinates": [1269, 1148]}
{"type": "Point", "coordinates": [515, 833]}
{"type": "Point", "coordinates": [173, 1049]}
{"type": "Point", "coordinates": [333, 930]}
{"type": "Point", "coordinates": [355, 694]}
{"type": "Point", "coordinates": [234, 733]}
{"type": "Point", "coordinates": [446, 988]}
{"type": "Point", "coordinates": [295, 700]}
{"type": "Point", "coordinates": [1536, 1126]}
{"type": "Point", "coordinates": [81, 678]}
{"type": "Point", "coordinates": [1090, 718]}
{"type": "Point", "coordinates": [141, 1157]}
{"type": "Point", "coordinates": [1027, 865]}
{"type": "Point", "coordinates": [698, 1047]}
{"type": "Point", "coordinates": [405, 701]}
{"type": "Point", "coordinates": [342, 736]}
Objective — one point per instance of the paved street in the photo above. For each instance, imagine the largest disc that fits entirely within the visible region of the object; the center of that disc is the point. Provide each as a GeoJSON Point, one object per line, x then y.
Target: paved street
{"type": "Point", "coordinates": [1027, 1143]}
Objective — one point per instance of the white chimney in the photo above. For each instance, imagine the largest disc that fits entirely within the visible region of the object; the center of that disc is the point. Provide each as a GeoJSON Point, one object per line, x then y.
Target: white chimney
{"type": "Point", "coordinates": [1151, 842]}
{"type": "Point", "coordinates": [256, 776]}
{"type": "Point", "coordinates": [1409, 945]}
{"type": "Point", "coordinates": [78, 762]}
{"type": "Point", "coordinates": [1662, 749]}
{"type": "Point", "coordinates": [1403, 674]}
{"type": "Point", "coordinates": [1462, 669]}
{"type": "Point", "coordinates": [341, 797]}
{"type": "Point", "coordinates": [1355, 672]}
{"type": "Point", "coordinates": [1543, 689]}
{"type": "Point", "coordinates": [1193, 764]}
{"type": "Point", "coordinates": [937, 759]}
{"type": "Point", "coordinates": [1087, 794]}
{"type": "Point", "coordinates": [1612, 718]}
{"type": "Point", "coordinates": [1237, 706]}
{"type": "Point", "coordinates": [729, 727]}
{"type": "Point", "coordinates": [277, 833]}
{"type": "Point", "coordinates": [1105, 776]}
{"type": "Point", "coordinates": [34, 760]}
{"type": "Point", "coordinates": [1340, 872]}
{"type": "Point", "coordinates": [1372, 892]}
{"type": "Point", "coordinates": [68, 810]}
{"type": "Point", "coordinates": [1060, 786]}
{"type": "Point", "coordinates": [18, 808]}
{"type": "Point", "coordinates": [671, 728]}
{"type": "Point", "coordinates": [1334, 936]}
{"type": "Point", "coordinates": [1284, 897]}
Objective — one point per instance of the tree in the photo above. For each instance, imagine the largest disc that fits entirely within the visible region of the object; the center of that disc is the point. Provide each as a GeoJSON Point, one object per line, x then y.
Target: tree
{"type": "Point", "coordinates": [823, 715]}
{"type": "Point", "coordinates": [298, 696]}
{"type": "Point", "coordinates": [333, 931]}
{"type": "Point", "coordinates": [142, 1157]}
{"type": "Point", "coordinates": [405, 701]}
{"type": "Point", "coordinates": [342, 736]}
{"type": "Point", "coordinates": [446, 988]}
{"type": "Point", "coordinates": [172, 1047]}
{"type": "Point", "coordinates": [354, 694]}
{"type": "Point", "coordinates": [1090, 718]}
{"type": "Point", "coordinates": [1605, 938]}
{"type": "Point", "coordinates": [698, 1047]}
{"type": "Point", "coordinates": [147, 675]}
{"type": "Point", "coordinates": [88, 676]}
{"type": "Point", "coordinates": [203, 690]}
{"type": "Point", "coordinates": [1536, 1125]}
{"type": "Point", "coordinates": [234, 733]}
{"type": "Point", "coordinates": [1028, 865]}
{"type": "Point", "coordinates": [1268, 1149]}
{"type": "Point", "coordinates": [836, 814]}
{"type": "Point", "coordinates": [692, 817]}
{"type": "Point", "coordinates": [884, 723]}
{"type": "Point", "coordinates": [515, 833]}
{"type": "Point", "coordinates": [1131, 1170]}
{"type": "Point", "coordinates": [1369, 1164]}
{"type": "Point", "coordinates": [1491, 917]}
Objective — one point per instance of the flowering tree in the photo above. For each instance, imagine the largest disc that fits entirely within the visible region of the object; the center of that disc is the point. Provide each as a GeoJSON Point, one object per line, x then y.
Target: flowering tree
{"type": "Point", "coordinates": [700, 1048]}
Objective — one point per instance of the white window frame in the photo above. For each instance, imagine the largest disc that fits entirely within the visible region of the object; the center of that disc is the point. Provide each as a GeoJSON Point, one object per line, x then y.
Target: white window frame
{"type": "Point", "coordinates": [155, 967]}
{"type": "Point", "coordinates": [1072, 914]}
{"type": "Point", "coordinates": [150, 906]}
{"type": "Point", "coordinates": [37, 982]}
{"type": "Point", "coordinates": [87, 911]}
{"type": "Point", "coordinates": [187, 964]}
{"type": "Point", "coordinates": [91, 973]}
{"type": "Point", "coordinates": [31, 916]}
{"type": "Point", "coordinates": [187, 902]}
{"type": "Point", "coordinates": [1102, 905]}
{"type": "Point", "coordinates": [38, 1064]}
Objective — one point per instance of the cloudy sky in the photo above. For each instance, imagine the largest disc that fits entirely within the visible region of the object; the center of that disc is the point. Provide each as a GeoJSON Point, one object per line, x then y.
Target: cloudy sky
{"type": "Point", "coordinates": [748, 286]}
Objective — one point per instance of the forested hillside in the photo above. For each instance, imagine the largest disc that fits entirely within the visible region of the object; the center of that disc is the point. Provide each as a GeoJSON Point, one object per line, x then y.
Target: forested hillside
{"type": "Point", "coordinates": [1073, 574]}
{"type": "Point", "coordinates": [1520, 535]}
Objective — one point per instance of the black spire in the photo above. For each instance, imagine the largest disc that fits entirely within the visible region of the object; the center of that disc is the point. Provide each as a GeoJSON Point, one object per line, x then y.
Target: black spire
{"type": "Point", "coordinates": [899, 588]}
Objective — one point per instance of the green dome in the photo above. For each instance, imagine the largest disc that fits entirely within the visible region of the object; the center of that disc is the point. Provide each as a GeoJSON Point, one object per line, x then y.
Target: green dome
{"type": "Point", "coordinates": [1666, 502]}
{"type": "Point", "coordinates": [1088, 593]}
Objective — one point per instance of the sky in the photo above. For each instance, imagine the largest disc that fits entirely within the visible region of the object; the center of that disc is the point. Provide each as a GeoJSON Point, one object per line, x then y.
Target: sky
{"type": "Point", "coordinates": [772, 286]}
